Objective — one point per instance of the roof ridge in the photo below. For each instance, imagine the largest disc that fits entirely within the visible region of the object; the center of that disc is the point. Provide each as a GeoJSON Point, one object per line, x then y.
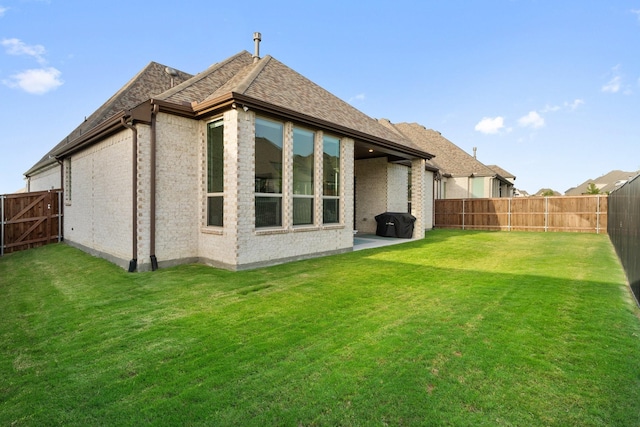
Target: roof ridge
{"type": "Point", "coordinates": [251, 77]}
{"type": "Point", "coordinates": [201, 75]}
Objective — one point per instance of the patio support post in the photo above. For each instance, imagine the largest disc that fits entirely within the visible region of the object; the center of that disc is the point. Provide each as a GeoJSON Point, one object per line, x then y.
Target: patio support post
{"type": "Point", "coordinates": [417, 196]}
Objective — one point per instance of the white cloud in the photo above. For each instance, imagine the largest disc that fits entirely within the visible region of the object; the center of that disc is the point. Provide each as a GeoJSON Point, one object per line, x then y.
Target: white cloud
{"type": "Point", "coordinates": [551, 108]}
{"type": "Point", "coordinates": [3, 10]}
{"type": "Point", "coordinates": [490, 125]}
{"type": "Point", "coordinates": [613, 85]}
{"type": "Point", "coordinates": [533, 119]}
{"type": "Point", "coordinates": [637, 13]}
{"type": "Point", "coordinates": [18, 47]}
{"type": "Point", "coordinates": [574, 105]}
{"type": "Point", "coordinates": [358, 97]}
{"type": "Point", "coordinates": [36, 81]}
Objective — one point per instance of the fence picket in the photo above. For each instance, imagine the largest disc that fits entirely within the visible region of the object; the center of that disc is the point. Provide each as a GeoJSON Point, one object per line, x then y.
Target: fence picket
{"type": "Point", "coordinates": [30, 220]}
{"type": "Point", "coordinates": [565, 213]}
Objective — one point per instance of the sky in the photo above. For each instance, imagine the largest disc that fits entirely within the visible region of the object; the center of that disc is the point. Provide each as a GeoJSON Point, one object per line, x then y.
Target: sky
{"type": "Point", "coordinates": [549, 90]}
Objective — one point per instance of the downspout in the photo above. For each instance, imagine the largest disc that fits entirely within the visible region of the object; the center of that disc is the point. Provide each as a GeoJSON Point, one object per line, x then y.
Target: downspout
{"type": "Point", "coordinates": [61, 202]}
{"type": "Point", "coordinates": [152, 186]}
{"type": "Point", "coordinates": [133, 264]}
{"type": "Point", "coordinates": [61, 163]}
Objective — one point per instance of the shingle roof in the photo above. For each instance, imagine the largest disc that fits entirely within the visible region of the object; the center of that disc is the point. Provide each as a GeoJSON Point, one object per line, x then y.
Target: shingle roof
{"type": "Point", "coordinates": [449, 158]}
{"type": "Point", "coordinates": [153, 79]}
{"type": "Point", "coordinates": [503, 173]}
{"type": "Point", "coordinates": [605, 183]}
{"type": "Point", "coordinates": [279, 85]}
{"type": "Point", "coordinates": [200, 87]}
{"type": "Point", "coordinates": [266, 80]}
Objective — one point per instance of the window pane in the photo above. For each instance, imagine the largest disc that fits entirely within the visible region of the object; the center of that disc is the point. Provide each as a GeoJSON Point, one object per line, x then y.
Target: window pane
{"type": "Point", "coordinates": [302, 210]}
{"type": "Point", "coordinates": [269, 139]}
{"type": "Point", "coordinates": [268, 211]}
{"type": "Point", "coordinates": [215, 152]}
{"type": "Point", "coordinates": [331, 166]}
{"type": "Point", "coordinates": [214, 211]}
{"type": "Point", "coordinates": [330, 211]}
{"type": "Point", "coordinates": [302, 161]}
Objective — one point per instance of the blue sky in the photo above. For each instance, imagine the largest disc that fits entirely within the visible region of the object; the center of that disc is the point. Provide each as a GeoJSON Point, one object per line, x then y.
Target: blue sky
{"type": "Point", "coordinates": [547, 89]}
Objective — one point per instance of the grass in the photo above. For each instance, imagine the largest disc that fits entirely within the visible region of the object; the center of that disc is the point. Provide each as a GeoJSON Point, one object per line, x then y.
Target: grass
{"type": "Point", "coordinates": [460, 329]}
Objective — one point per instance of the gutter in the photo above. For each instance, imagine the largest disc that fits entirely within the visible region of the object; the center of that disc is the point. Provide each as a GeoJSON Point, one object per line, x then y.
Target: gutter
{"type": "Point", "coordinates": [133, 264]}
{"type": "Point", "coordinates": [212, 106]}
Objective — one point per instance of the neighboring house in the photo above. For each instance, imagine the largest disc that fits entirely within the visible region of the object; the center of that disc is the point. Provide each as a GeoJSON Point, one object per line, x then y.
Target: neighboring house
{"type": "Point", "coordinates": [544, 192]}
{"type": "Point", "coordinates": [460, 174]}
{"type": "Point", "coordinates": [520, 193]}
{"type": "Point", "coordinates": [245, 164]}
{"type": "Point", "coordinates": [605, 184]}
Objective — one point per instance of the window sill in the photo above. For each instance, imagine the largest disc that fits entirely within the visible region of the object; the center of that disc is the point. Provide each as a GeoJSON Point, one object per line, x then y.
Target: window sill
{"type": "Point", "coordinates": [215, 231]}
{"type": "Point", "coordinates": [300, 228]}
{"type": "Point", "coordinates": [333, 226]}
{"type": "Point", "coordinates": [266, 231]}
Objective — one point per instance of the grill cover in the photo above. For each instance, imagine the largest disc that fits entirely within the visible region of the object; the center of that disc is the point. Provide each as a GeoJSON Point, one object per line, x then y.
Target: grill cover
{"type": "Point", "coordinates": [395, 224]}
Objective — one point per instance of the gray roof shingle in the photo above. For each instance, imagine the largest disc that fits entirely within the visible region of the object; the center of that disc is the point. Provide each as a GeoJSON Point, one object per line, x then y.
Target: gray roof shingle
{"type": "Point", "coordinates": [153, 79]}
{"type": "Point", "coordinates": [449, 158]}
{"type": "Point", "coordinates": [605, 183]}
{"type": "Point", "coordinates": [266, 80]}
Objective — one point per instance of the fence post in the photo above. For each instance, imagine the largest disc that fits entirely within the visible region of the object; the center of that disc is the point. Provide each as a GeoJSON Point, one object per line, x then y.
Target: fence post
{"type": "Point", "coordinates": [463, 214]}
{"type": "Point", "coordinates": [2, 197]}
{"type": "Point", "coordinates": [509, 216]}
{"type": "Point", "coordinates": [546, 213]}
{"type": "Point", "coordinates": [598, 215]}
{"type": "Point", "coordinates": [59, 216]}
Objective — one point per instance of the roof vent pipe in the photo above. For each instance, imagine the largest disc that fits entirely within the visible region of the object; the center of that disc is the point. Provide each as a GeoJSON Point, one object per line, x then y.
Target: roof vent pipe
{"type": "Point", "coordinates": [171, 72]}
{"type": "Point", "coordinates": [257, 38]}
{"type": "Point", "coordinates": [475, 150]}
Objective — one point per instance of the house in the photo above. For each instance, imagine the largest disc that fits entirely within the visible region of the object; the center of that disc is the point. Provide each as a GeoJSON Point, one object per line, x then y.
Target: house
{"type": "Point", "coordinates": [520, 193]}
{"type": "Point", "coordinates": [245, 164]}
{"type": "Point", "coordinates": [460, 174]}
{"type": "Point", "coordinates": [605, 184]}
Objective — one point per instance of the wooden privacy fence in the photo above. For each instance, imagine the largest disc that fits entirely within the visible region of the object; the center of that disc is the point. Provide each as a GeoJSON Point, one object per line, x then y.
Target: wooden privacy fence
{"type": "Point", "coordinates": [584, 214]}
{"type": "Point", "coordinates": [29, 220]}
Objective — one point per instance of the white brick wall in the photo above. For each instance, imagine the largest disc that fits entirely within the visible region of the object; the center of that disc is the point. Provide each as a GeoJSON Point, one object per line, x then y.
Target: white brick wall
{"type": "Point", "coordinates": [99, 215]}
{"type": "Point", "coordinates": [178, 178]}
{"type": "Point", "coordinates": [397, 188]}
{"type": "Point", "coordinates": [47, 179]}
{"type": "Point", "coordinates": [380, 187]}
{"type": "Point", "coordinates": [371, 193]}
{"type": "Point", "coordinates": [428, 200]}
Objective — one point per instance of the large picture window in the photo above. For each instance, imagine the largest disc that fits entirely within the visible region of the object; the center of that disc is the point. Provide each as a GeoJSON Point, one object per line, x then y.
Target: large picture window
{"type": "Point", "coordinates": [303, 157]}
{"type": "Point", "coordinates": [330, 179]}
{"type": "Point", "coordinates": [215, 173]}
{"type": "Point", "coordinates": [268, 175]}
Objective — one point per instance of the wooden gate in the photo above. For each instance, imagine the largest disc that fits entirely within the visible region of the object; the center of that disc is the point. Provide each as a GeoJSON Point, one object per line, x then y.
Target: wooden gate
{"type": "Point", "coordinates": [29, 220]}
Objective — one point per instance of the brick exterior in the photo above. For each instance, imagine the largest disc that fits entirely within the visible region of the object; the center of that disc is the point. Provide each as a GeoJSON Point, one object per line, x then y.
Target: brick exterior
{"type": "Point", "coordinates": [99, 215]}
{"type": "Point", "coordinates": [46, 179]}
{"type": "Point", "coordinates": [178, 177]}
{"type": "Point", "coordinates": [418, 187]}
{"type": "Point", "coordinates": [462, 187]}
{"type": "Point", "coordinates": [380, 187]}
{"type": "Point", "coordinates": [397, 188]}
{"type": "Point", "coordinates": [427, 197]}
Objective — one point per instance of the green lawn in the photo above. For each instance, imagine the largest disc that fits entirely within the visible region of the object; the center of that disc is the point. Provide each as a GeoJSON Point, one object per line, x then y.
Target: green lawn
{"type": "Point", "coordinates": [460, 329]}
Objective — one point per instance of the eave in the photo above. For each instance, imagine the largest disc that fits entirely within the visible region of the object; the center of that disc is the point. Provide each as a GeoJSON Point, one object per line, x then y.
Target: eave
{"type": "Point", "coordinates": [387, 146]}
{"type": "Point", "coordinates": [142, 114]}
